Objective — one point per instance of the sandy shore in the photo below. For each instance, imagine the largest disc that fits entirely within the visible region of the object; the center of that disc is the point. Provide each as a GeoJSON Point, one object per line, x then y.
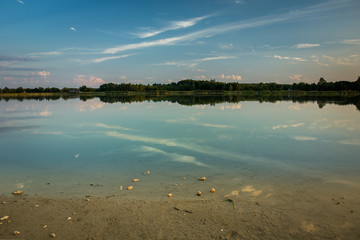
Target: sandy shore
{"type": "Point", "coordinates": [119, 217]}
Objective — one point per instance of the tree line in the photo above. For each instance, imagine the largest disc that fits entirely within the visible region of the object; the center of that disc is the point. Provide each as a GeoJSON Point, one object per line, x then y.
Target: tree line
{"type": "Point", "coordinates": [193, 85]}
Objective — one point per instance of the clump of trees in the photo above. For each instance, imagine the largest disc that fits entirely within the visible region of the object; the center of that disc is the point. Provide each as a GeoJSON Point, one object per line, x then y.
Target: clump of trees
{"type": "Point", "coordinates": [201, 85]}
{"type": "Point", "coordinates": [192, 85]}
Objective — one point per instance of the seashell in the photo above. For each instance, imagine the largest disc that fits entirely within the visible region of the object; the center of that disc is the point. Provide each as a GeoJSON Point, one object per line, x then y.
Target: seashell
{"type": "Point", "coordinates": [202, 179]}
{"type": "Point", "coordinates": [18, 192]}
{"type": "Point", "coordinates": [130, 188]}
{"type": "Point", "coordinates": [199, 193]}
{"type": "Point", "coordinates": [212, 190]}
{"type": "Point", "coordinates": [53, 235]}
{"type": "Point", "coordinates": [147, 172]}
{"type": "Point", "coordinates": [69, 218]}
{"type": "Point", "coordinates": [136, 180]}
{"type": "Point", "coordinates": [4, 218]}
{"type": "Point", "coordinates": [16, 233]}
{"type": "Point", "coordinates": [170, 195]}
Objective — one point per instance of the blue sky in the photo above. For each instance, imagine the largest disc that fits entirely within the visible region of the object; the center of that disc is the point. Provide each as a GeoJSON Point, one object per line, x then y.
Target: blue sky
{"type": "Point", "coordinates": [90, 42]}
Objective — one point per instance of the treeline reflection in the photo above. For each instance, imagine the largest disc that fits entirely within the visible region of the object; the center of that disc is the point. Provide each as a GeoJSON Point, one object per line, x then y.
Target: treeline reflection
{"type": "Point", "coordinates": [190, 100]}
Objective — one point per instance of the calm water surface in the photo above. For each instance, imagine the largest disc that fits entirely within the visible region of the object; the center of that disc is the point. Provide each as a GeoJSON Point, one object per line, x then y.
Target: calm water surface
{"type": "Point", "coordinates": [77, 148]}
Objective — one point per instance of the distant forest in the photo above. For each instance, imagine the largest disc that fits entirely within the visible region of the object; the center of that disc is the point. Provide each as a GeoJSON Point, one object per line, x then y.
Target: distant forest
{"type": "Point", "coordinates": [193, 85]}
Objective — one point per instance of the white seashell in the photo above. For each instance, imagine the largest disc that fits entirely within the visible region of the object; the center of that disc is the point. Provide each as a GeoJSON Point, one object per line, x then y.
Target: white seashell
{"type": "Point", "coordinates": [4, 218]}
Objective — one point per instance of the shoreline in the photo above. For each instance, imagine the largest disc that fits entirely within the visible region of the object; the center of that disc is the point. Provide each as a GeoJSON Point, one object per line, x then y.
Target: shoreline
{"type": "Point", "coordinates": [118, 217]}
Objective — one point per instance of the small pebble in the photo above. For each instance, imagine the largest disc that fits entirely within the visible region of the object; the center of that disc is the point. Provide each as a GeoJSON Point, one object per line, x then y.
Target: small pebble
{"type": "Point", "coordinates": [130, 188]}
{"type": "Point", "coordinates": [4, 218]}
{"type": "Point", "coordinates": [69, 218]}
{"type": "Point", "coordinates": [170, 195]}
{"type": "Point", "coordinates": [121, 188]}
{"type": "Point", "coordinates": [45, 226]}
{"type": "Point", "coordinates": [88, 200]}
{"type": "Point", "coordinates": [36, 206]}
{"type": "Point", "coordinates": [16, 233]}
{"type": "Point", "coordinates": [3, 202]}
{"type": "Point", "coordinates": [212, 190]}
{"type": "Point", "coordinates": [53, 235]}
{"type": "Point", "coordinates": [199, 193]}
{"type": "Point", "coordinates": [147, 172]}
{"type": "Point", "coordinates": [202, 179]}
{"type": "Point", "coordinates": [18, 192]}
{"type": "Point", "coordinates": [136, 180]}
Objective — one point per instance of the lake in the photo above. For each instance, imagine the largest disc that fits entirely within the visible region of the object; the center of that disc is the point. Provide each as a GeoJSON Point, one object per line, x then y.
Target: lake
{"type": "Point", "coordinates": [245, 148]}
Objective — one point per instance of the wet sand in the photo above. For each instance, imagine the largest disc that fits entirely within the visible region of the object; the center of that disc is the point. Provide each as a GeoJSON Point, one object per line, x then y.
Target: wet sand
{"type": "Point", "coordinates": [280, 216]}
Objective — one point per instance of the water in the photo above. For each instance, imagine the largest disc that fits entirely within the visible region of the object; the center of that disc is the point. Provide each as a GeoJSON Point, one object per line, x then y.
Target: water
{"type": "Point", "coordinates": [76, 148]}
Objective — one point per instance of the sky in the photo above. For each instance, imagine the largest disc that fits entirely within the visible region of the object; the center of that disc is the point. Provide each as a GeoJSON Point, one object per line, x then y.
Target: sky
{"type": "Point", "coordinates": [71, 43]}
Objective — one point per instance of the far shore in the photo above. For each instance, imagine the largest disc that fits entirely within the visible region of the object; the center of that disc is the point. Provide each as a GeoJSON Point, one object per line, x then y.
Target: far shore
{"type": "Point", "coordinates": [186, 93]}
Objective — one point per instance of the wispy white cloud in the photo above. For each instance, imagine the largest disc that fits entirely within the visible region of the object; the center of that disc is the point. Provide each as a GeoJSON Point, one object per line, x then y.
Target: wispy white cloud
{"type": "Point", "coordinates": [100, 60]}
{"type": "Point", "coordinates": [352, 41]}
{"type": "Point", "coordinates": [19, 1]}
{"type": "Point", "coordinates": [239, 1]}
{"type": "Point", "coordinates": [174, 156]}
{"type": "Point", "coordinates": [160, 42]}
{"type": "Point", "coordinates": [307, 45]}
{"type": "Point", "coordinates": [53, 53]}
{"type": "Point", "coordinates": [295, 125]}
{"type": "Point", "coordinates": [324, 60]}
{"type": "Point", "coordinates": [172, 26]}
{"type": "Point", "coordinates": [56, 133]}
{"type": "Point", "coordinates": [102, 125]}
{"type": "Point", "coordinates": [193, 63]}
{"type": "Point", "coordinates": [216, 58]}
{"type": "Point", "coordinates": [290, 58]}
{"type": "Point", "coordinates": [189, 64]}
{"type": "Point", "coordinates": [354, 142]}
{"type": "Point", "coordinates": [304, 138]}
{"type": "Point", "coordinates": [215, 125]}
{"type": "Point", "coordinates": [226, 46]}
{"type": "Point", "coordinates": [306, 13]}
{"type": "Point", "coordinates": [73, 29]}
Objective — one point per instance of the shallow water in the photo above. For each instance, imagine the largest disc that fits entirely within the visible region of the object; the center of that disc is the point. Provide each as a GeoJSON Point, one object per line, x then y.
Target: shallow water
{"type": "Point", "coordinates": [77, 148]}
